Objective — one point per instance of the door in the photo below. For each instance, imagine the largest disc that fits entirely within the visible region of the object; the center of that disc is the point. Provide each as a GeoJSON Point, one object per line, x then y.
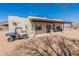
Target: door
{"type": "Point", "coordinates": [48, 28]}
{"type": "Point", "coordinates": [58, 28]}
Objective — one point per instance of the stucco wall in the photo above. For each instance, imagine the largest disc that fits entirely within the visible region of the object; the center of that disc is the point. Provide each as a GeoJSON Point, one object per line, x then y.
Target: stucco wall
{"type": "Point", "coordinates": [43, 24]}
{"type": "Point", "coordinates": [20, 23]}
{"type": "Point", "coordinates": [67, 26]}
{"type": "Point", "coordinates": [30, 29]}
{"type": "Point", "coordinates": [24, 23]}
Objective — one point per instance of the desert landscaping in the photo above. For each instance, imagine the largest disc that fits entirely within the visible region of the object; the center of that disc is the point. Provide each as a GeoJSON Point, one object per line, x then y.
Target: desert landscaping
{"type": "Point", "coordinates": [58, 43]}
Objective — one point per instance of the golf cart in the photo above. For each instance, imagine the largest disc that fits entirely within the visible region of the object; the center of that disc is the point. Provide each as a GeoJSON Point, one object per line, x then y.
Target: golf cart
{"type": "Point", "coordinates": [18, 34]}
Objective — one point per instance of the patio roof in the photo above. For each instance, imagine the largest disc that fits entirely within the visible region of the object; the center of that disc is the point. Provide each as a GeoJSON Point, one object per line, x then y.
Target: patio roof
{"type": "Point", "coordinates": [47, 21]}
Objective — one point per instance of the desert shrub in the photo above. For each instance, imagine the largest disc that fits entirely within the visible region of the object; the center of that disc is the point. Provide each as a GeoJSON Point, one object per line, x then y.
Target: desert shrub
{"type": "Point", "coordinates": [52, 45]}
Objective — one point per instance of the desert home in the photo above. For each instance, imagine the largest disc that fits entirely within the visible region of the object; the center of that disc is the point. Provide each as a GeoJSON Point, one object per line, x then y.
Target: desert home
{"type": "Point", "coordinates": [4, 26]}
{"type": "Point", "coordinates": [36, 25]}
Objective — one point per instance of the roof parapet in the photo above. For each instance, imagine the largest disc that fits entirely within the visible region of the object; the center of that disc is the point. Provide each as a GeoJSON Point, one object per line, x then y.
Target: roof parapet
{"type": "Point", "coordinates": [37, 17]}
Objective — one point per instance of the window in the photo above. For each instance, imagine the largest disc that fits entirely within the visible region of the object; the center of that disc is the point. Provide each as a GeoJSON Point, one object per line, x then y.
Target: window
{"type": "Point", "coordinates": [14, 23]}
{"type": "Point", "coordinates": [38, 27]}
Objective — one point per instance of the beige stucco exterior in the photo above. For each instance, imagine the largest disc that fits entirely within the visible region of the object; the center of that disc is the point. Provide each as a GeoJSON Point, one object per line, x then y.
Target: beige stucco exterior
{"type": "Point", "coordinates": [21, 22]}
{"type": "Point", "coordinates": [24, 23]}
{"type": "Point", "coordinates": [43, 24]}
{"type": "Point", "coordinates": [27, 25]}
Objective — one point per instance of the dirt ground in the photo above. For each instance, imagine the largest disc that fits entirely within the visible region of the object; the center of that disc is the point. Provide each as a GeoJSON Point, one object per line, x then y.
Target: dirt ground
{"type": "Point", "coordinates": [6, 47]}
{"type": "Point", "coordinates": [72, 34]}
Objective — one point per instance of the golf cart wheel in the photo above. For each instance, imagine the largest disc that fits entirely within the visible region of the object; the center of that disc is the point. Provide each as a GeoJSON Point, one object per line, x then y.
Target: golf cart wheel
{"type": "Point", "coordinates": [25, 36]}
{"type": "Point", "coordinates": [10, 39]}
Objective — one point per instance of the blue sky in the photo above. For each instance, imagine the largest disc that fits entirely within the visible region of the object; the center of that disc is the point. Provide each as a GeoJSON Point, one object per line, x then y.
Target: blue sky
{"type": "Point", "coordinates": [67, 12]}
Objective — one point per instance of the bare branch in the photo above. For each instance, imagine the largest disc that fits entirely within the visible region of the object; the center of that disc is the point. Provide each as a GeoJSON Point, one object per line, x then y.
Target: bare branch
{"type": "Point", "coordinates": [66, 48]}
{"type": "Point", "coordinates": [48, 43]}
{"type": "Point", "coordinates": [37, 49]}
